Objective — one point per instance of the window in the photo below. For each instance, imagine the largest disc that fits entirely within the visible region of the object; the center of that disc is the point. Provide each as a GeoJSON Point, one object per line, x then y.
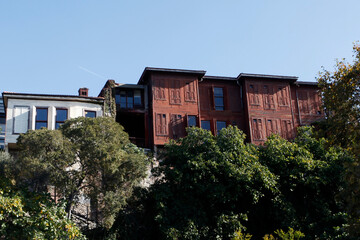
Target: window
{"type": "Point", "coordinates": [177, 125]}
{"type": "Point", "coordinates": [219, 98]}
{"type": "Point", "coordinates": [257, 129]}
{"type": "Point", "coordinates": [220, 125]}
{"type": "Point", "coordinates": [190, 92]}
{"type": "Point", "coordinates": [271, 127]}
{"type": "Point", "coordinates": [161, 124]}
{"type": "Point", "coordinates": [192, 121]}
{"type": "Point", "coordinates": [21, 119]}
{"type": "Point", "coordinates": [90, 114]}
{"type": "Point", "coordinates": [175, 97]}
{"type": "Point", "coordinates": [137, 98]}
{"type": "Point", "coordinates": [126, 99]}
{"type": "Point", "coordinates": [286, 129]}
{"type": "Point", "coordinates": [304, 102]}
{"type": "Point", "coordinates": [205, 124]}
{"type": "Point", "coordinates": [61, 117]}
{"type": "Point", "coordinates": [159, 90]}
{"type": "Point", "coordinates": [254, 94]}
{"type": "Point", "coordinates": [41, 119]}
{"type": "Point", "coordinates": [268, 97]}
{"type": "Point", "coordinates": [283, 96]}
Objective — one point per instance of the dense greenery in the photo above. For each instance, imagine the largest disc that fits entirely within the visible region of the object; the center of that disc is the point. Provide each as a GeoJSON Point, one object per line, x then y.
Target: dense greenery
{"type": "Point", "coordinates": [28, 215]}
{"type": "Point", "coordinates": [89, 156]}
{"type": "Point", "coordinates": [340, 91]}
{"type": "Point", "coordinates": [210, 187]}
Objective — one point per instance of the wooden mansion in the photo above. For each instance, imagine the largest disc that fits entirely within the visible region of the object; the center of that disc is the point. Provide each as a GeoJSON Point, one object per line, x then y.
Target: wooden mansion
{"type": "Point", "coordinates": [166, 101]}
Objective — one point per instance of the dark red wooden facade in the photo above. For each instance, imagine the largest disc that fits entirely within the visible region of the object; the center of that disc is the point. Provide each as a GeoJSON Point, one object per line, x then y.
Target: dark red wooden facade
{"type": "Point", "coordinates": [172, 99]}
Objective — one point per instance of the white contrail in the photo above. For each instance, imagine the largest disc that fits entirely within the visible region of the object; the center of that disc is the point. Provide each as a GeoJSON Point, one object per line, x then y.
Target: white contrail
{"type": "Point", "coordinates": [91, 72]}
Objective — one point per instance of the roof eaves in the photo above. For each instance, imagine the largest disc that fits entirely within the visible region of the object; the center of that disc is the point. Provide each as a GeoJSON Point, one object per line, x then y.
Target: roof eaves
{"type": "Point", "coordinates": [280, 77]}
{"type": "Point", "coordinates": [29, 95]}
{"type": "Point", "coordinates": [170, 70]}
{"type": "Point", "coordinates": [306, 83]}
{"type": "Point", "coordinates": [220, 78]}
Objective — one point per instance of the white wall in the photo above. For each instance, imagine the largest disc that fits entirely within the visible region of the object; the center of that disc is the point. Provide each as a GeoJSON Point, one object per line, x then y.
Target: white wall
{"type": "Point", "coordinates": [75, 109]}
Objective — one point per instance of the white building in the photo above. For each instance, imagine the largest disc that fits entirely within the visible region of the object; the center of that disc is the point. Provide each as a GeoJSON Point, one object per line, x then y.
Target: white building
{"type": "Point", "coordinates": [34, 111]}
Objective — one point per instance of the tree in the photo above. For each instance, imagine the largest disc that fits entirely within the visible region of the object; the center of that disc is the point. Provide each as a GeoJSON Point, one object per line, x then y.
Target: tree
{"type": "Point", "coordinates": [311, 175]}
{"type": "Point", "coordinates": [341, 97]}
{"type": "Point", "coordinates": [29, 215]}
{"type": "Point", "coordinates": [213, 187]}
{"type": "Point", "coordinates": [340, 92]}
{"type": "Point", "coordinates": [87, 156]}
{"type": "Point", "coordinates": [206, 185]}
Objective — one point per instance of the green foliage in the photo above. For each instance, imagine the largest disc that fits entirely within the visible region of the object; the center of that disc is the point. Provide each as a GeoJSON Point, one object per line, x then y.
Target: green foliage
{"type": "Point", "coordinates": [27, 215]}
{"type": "Point", "coordinates": [91, 156]}
{"type": "Point", "coordinates": [291, 234]}
{"type": "Point", "coordinates": [310, 177]}
{"type": "Point", "coordinates": [213, 187]}
{"type": "Point", "coordinates": [341, 97]}
{"type": "Point", "coordinates": [207, 185]}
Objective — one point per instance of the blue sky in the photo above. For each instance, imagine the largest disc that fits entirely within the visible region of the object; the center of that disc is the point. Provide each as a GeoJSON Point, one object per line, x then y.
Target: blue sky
{"type": "Point", "coordinates": [57, 47]}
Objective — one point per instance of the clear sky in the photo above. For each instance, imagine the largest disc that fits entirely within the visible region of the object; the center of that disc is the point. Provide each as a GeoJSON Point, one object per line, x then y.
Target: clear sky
{"type": "Point", "coordinates": [56, 47]}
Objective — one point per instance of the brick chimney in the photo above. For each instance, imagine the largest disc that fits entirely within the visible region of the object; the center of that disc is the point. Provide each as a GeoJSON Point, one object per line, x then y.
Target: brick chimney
{"type": "Point", "coordinates": [83, 92]}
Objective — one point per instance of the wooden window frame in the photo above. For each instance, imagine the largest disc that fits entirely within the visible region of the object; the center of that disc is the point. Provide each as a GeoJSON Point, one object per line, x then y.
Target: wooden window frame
{"type": "Point", "coordinates": [216, 123]}
{"type": "Point", "coordinates": [209, 124]}
{"type": "Point", "coordinates": [159, 90]}
{"type": "Point", "coordinates": [161, 128]}
{"type": "Point", "coordinates": [254, 94]}
{"type": "Point", "coordinates": [268, 96]}
{"type": "Point", "coordinates": [255, 129]}
{"type": "Point", "coordinates": [274, 121]}
{"type": "Point", "coordinates": [283, 93]}
{"type": "Point", "coordinates": [175, 92]}
{"type": "Point", "coordinates": [223, 98]}
{"type": "Point", "coordinates": [287, 131]}
{"type": "Point", "coordinates": [190, 92]}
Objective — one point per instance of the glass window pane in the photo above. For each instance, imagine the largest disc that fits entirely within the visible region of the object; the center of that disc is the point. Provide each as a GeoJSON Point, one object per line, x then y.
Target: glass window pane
{"type": "Point", "coordinates": [41, 114]}
{"type": "Point", "coordinates": [218, 92]}
{"type": "Point", "coordinates": [137, 97]}
{"type": "Point", "coordinates": [191, 121]}
{"type": "Point", "coordinates": [39, 125]}
{"type": "Point", "coordinates": [219, 103]}
{"type": "Point", "coordinates": [220, 125]}
{"type": "Point", "coordinates": [205, 124]}
{"type": "Point", "coordinates": [90, 114]}
{"type": "Point", "coordinates": [130, 99]}
{"type": "Point", "coordinates": [117, 99]}
{"type": "Point", "coordinates": [61, 115]}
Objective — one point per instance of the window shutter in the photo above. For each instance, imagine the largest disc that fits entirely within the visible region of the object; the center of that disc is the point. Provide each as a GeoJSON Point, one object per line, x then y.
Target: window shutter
{"type": "Point", "coordinates": [21, 119]}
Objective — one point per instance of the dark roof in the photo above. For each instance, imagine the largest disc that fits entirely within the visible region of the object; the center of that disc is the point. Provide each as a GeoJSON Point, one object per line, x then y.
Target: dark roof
{"type": "Point", "coordinates": [199, 73]}
{"type": "Point", "coordinates": [53, 95]}
{"type": "Point", "coordinates": [279, 77]}
{"type": "Point", "coordinates": [307, 83]}
{"type": "Point", "coordinates": [6, 95]}
{"type": "Point", "coordinates": [220, 78]}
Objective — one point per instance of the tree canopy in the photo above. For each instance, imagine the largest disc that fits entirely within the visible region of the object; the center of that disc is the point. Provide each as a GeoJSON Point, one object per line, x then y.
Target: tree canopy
{"type": "Point", "coordinates": [92, 157]}
{"type": "Point", "coordinates": [340, 92]}
{"type": "Point", "coordinates": [29, 215]}
{"type": "Point", "coordinates": [210, 187]}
